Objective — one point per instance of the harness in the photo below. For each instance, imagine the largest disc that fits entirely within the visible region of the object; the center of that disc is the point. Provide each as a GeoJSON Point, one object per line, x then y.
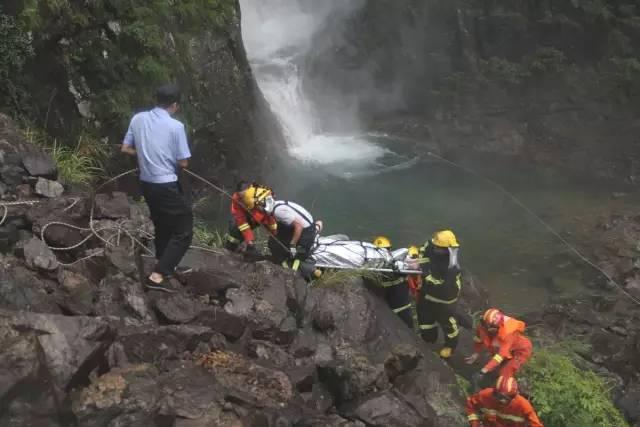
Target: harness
{"type": "Point", "coordinates": [283, 203]}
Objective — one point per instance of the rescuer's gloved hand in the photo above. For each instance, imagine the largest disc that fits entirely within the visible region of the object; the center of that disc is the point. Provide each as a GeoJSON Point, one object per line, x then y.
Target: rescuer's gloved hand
{"type": "Point", "coordinates": [293, 252]}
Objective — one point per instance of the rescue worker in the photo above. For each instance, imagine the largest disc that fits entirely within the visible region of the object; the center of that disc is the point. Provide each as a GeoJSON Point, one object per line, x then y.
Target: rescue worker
{"type": "Point", "coordinates": [503, 337]}
{"type": "Point", "coordinates": [395, 288]}
{"type": "Point", "coordinates": [501, 406]}
{"type": "Point", "coordinates": [441, 284]}
{"type": "Point", "coordinates": [295, 233]}
{"type": "Point", "coordinates": [245, 219]}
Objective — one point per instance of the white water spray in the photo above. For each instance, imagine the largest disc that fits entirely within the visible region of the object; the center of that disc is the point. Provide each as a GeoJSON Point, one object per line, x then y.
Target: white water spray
{"type": "Point", "coordinates": [277, 36]}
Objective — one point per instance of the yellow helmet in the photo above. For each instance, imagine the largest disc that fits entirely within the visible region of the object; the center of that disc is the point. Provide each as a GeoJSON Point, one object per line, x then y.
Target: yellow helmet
{"type": "Point", "coordinates": [445, 239]}
{"type": "Point", "coordinates": [255, 195]}
{"type": "Point", "coordinates": [382, 242]}
{"type": "Point", "coordinates": [413, 252]}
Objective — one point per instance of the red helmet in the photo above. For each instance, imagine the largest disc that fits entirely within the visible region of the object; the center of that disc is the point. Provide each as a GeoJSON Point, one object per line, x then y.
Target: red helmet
{"type": "Point", "coordinates": [493, 317]}
{"type": "Point", "coordinates": [507, 386]}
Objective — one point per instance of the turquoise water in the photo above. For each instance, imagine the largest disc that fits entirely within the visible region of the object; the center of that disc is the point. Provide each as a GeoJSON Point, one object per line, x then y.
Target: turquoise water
{"type": "Point", "coordinates": [406, 198]}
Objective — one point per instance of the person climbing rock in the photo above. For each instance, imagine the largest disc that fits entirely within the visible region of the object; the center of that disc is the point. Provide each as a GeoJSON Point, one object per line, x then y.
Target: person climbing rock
{"type": "Point", "coordinates": [501, 406]}
{"type": "Point", "coordinates": [441, 284]}
{"type": "Point", "coordinates": [245, 219]}
{"type": "Point", "coordinates": [395, 287]}
{"type": "Point", "coordinates": [295, 229]}
{"type": "Point", "coordinates": [503, 337]}
{"type": "Point", "coordinates": [160, 144]}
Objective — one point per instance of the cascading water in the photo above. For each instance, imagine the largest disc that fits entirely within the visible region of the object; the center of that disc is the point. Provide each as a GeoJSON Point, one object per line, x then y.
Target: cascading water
{"type": "Point", "coordinates": [277, 36]}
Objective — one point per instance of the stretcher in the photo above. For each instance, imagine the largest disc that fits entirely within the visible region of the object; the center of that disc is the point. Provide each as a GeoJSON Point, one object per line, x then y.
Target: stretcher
{"type": "Point", "coordinates": [340, 253]}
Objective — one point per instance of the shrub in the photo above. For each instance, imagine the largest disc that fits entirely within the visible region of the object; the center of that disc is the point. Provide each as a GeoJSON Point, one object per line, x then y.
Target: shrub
{"type": "Point", "coordinates": [207, 236]}
{"type": "Point", "coordinates": [15, 49]}
{"type": "Point", "coordinates": [81, 164]}
{"type": "Point", "coordinates": [564, 395]}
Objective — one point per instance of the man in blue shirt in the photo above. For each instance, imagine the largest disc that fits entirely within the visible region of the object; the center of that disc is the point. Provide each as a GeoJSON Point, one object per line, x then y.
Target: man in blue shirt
{"type": "Point", "coordinates": [160, 144]}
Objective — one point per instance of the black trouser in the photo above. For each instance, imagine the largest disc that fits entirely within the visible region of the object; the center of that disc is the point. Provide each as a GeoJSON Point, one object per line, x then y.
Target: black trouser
{"type": "Point", "coordinates": [173, 222]}
{"type": "Point", "coordinates": [398, 298]}
{"type": "Point", "coordinates": [280, 251]}
{"type": "Point", "coordinates": [234, 235]}
{"type": "Point", "coordinates": [431, 314]}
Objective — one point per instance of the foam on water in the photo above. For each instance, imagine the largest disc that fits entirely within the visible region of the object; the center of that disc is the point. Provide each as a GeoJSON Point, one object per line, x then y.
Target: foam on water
{"type": "Point", "coordinates": [277, 36]}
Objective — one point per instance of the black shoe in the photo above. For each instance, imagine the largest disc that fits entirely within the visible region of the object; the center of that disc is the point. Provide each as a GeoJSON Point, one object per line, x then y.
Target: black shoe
{"type": "Point", "coordinates": [162, 286]}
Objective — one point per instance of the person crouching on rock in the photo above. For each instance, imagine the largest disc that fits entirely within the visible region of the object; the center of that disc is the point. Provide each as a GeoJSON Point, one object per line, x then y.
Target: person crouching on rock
{"type": "Point", "coordinates": [296, 232]}
{"type": "Point", "coordinates": [438, 297]}
{"type": "Point", "coordinates": [395, 288]}
{"type": "Point", "coordinates": [503, 337]}
{"type": "Point", "coordinates": [246, 218]}
{"type": "Point", "coordinates": [160, 144]}
{"type": "Point", "coordinates": [501, 406]}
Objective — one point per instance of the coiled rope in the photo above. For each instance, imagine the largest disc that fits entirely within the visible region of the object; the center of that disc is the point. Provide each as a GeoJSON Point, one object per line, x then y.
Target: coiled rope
{"type": "Point", "coordinates": [549, 228]}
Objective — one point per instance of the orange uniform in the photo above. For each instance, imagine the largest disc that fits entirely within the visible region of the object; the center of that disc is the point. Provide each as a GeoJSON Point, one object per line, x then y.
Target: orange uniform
{"type": "Point", "coordinates": [246, 221]}
{"type": "Point", "coordinates": [483, 409]}
{"type": "Point", "coordinates": [508, 344]}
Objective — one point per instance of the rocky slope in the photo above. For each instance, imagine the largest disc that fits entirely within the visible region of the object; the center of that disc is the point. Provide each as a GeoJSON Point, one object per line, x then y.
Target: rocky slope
{"type": "Point", "coordinates": [239, 344]}
{"type": "Point", "coordinates": [553, 82]}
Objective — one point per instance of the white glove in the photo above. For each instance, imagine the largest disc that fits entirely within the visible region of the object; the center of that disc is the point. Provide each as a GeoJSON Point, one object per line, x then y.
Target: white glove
{"type": "Point", "coordinates": [293, 252]}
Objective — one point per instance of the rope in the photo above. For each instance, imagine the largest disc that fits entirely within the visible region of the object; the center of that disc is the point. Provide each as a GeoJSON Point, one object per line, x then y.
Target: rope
{"type": "Point", "coordinates": [5, 207]}
{"type": "Point", "coordinates": [541, 221]}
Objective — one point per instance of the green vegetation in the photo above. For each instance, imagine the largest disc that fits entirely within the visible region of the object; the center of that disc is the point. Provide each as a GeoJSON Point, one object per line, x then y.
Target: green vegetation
{"type": "Point", "coordinates": [78, 70]}
{"type": "Point", "coordinates": [15, 50]}
{"type": "Point", "coordinates": [567, 396]}
{"type": "Point", "coordinates": [82, 163]}
{"type": "Point", "coordinates": [207, 236]}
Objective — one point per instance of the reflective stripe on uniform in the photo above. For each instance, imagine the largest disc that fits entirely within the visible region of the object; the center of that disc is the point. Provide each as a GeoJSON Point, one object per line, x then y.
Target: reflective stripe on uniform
{"type": "Point", "coordinates": [273, 227]}
{"type": "Point", "coordinates": [433, 280]}
{"type": "Point", "coordinates": [425, 327]}
{"type": "Point", "coordinates": [454, 325]}
{"type": "Point", "coordinates": [244, 227]}
{"type": "Point", "coordinates": [438, 300]}
{"type": "Point", "coordinates": [504, 416]}
{"type": "Point", "coordinates": [423, 260]}
{"type": "Point", "coordinates": [296, 265]}
{"type": "Point", "coordinates": [473, 417]}
{"type": "Point", "coordinates": [458, 282]}
{"type": "Point", "coordinates": [285, 264]}
{"type": "Point", "coordinates": [498, 358]}
{"type": "Point", "coordinates": [403, 308]}
{"type": "Point", "coordinates": [391, 283]}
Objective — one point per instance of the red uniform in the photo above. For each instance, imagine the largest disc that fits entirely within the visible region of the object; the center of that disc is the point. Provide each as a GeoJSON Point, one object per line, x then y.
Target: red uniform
{"type": "Point", "coordinates": [483, 409]}
{"type": "Point", "coordinates": [246, 221]}
{"type": "Point", "coordinates": [508, 345]}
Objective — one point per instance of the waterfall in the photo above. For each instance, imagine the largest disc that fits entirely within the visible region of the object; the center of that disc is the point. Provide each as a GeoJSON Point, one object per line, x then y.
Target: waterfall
{"type": "Point", "coordinates": [278, 35]}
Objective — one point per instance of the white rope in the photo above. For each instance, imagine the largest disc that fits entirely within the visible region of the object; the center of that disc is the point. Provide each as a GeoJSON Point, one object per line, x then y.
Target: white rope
{"type": "Point", "coordinates": [541, 221]}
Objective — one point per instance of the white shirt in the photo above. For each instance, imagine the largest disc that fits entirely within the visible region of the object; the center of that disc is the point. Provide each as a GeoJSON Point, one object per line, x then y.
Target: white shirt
{"type": "Point", "coordinates": [288, 212]}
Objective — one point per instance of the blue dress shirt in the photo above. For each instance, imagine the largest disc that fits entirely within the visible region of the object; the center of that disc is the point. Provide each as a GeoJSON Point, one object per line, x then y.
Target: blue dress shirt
{"type": "Point", "coordinates": [160, 141]}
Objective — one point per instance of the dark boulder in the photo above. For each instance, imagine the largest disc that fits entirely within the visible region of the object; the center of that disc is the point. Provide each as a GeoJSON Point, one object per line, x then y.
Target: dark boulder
{"type": "Point", "coordinates": [38, 256]}
{"type": "Point", "coordinates": [120, 296]}
{"type": "Point", "coordinates": [22, 289]}
{"type": "Point", "coordinates": [75, 293]}
{"type": "Point", "coordinates": [177, 308]}
{"type": "Point", "coordinates": [40, 164]}
{"type": "Point", "coordinates": [113, 205]}
{"type": "Point", "coordinates": [230, 325]}
{"type": "Point", "coordinates": [47, 188]}
{"type": "Point", "coordinates": [388, 409]}
{"type": "Point", "coordinates": [155, 344]}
